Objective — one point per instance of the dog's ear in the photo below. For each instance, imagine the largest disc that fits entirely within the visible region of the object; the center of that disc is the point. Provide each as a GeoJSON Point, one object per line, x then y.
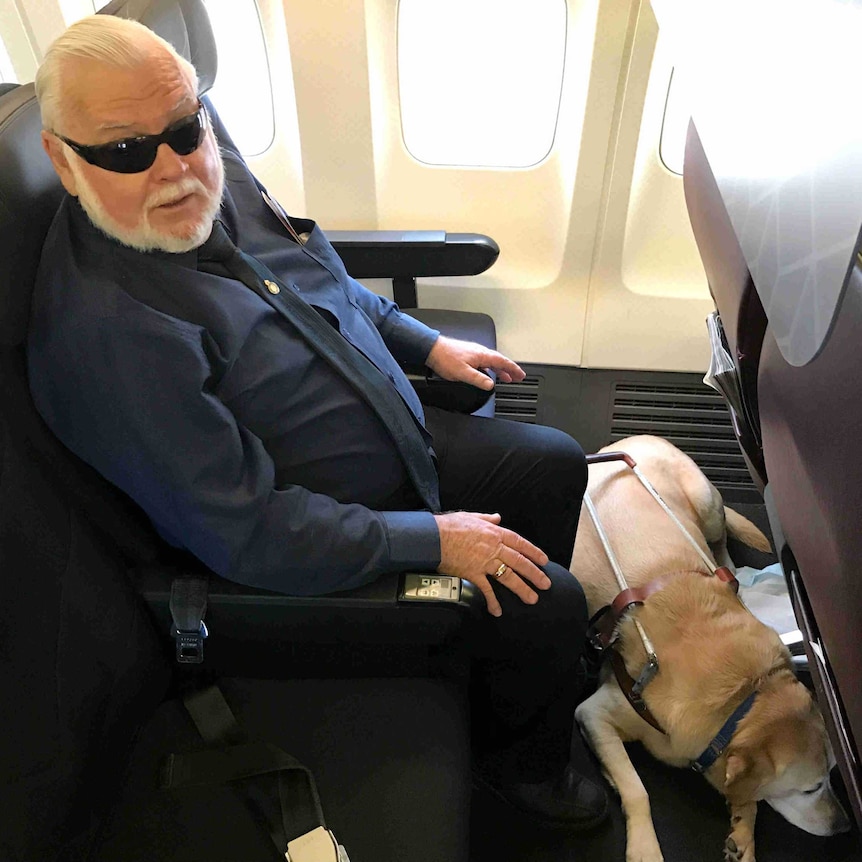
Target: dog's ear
{"type": "Point", "coordinates": [736, 767]}
{"type": "Point", "coordinates": [745, 771]}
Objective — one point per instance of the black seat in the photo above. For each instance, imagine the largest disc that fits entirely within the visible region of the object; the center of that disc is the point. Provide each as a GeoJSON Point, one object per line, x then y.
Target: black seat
{"type": "Point", "coordinates": [88, 720]}
{"type": "Point", "coordinates": [29, 195]}
{"type": "Point", "coordinates": [86, 674]}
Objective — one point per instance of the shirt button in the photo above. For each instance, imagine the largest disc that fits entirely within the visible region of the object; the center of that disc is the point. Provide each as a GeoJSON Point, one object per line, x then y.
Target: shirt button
{"type": "Point", "coordinates": [271, 286]}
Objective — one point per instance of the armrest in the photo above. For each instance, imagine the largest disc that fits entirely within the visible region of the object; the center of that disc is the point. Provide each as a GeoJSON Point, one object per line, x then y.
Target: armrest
{"type": "Point", "coordinates": [405, 256]}
{"type": "Point", "coordinates": [433, 390]}
{"type": "Point", "coordinates": [262, 620]}
{"type": "Point", "coordinates": [413, 253]}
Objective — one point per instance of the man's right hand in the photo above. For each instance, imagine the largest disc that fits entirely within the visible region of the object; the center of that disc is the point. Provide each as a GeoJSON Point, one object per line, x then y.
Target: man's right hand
{"type": "Point", "coordinates": [474, 546]}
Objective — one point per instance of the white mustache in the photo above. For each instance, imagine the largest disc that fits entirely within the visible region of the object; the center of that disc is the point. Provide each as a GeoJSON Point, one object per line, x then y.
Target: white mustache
{"type": "Point", "coordinates": [175, 192]}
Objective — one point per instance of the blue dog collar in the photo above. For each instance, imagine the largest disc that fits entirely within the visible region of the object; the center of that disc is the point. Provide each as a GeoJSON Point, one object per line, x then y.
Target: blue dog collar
{"type": "Point", "coordinates": [722, 738]}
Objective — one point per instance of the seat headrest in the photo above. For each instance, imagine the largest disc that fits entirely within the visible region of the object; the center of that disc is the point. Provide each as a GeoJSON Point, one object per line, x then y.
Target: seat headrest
{"type": "Point", "coordinates": [30, 193]}
{"type": "Point", "coordinates": [183, 23]}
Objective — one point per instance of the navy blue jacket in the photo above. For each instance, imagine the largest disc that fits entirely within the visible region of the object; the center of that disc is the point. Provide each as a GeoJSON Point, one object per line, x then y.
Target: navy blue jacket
{"type": "Point", "coordinates": [191, 393]}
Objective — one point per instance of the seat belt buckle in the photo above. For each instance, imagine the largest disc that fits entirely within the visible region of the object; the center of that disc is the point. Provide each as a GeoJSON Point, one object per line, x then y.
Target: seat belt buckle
{"type": "Point", "coordinates": [190, 644]}
{"type": "Point", "coordinates": [319, 845]}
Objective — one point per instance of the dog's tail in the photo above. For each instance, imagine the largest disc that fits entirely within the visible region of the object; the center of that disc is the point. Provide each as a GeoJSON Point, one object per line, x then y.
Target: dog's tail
{"type": "Point", "coordinates": [741, 528]}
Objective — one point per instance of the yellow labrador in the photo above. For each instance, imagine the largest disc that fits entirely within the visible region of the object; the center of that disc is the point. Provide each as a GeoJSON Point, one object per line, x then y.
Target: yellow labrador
{"type": "Point", "coordinates": [712, 653]}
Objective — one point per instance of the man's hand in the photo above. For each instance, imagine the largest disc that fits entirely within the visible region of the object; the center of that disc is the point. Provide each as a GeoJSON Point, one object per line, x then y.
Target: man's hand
{"type": "Point", "coordinates": [475, 547]}
{"type": "Point", "coordinates": [462, 360]}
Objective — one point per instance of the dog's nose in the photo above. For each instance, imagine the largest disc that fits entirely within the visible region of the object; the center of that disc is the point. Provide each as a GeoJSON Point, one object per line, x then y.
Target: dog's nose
{"type": "Point", "coordinates": [840, 823]}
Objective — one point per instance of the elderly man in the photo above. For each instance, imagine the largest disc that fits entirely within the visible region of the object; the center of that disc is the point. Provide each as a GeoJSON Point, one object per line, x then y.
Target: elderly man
{"type": "Point", "coordinates": [210, 356]}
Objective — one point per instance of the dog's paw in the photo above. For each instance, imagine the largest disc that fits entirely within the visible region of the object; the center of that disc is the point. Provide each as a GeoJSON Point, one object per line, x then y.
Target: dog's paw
{"type": "Point", "coordinates": [644, 849]}
{"type": "Point", "coordinates": [735, 851]}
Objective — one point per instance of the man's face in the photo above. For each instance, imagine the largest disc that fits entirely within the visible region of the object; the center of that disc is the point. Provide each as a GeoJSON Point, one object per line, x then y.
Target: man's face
{"type": "Point", "coordinates": [171, 205]}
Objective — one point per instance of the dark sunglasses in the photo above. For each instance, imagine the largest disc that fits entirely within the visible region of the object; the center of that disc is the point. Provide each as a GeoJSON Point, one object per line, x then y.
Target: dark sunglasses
{"type": "Point", "coordinates": [133, 155]}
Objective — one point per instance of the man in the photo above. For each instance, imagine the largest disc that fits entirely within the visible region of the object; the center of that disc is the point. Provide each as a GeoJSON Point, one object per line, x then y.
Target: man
{"type": "Point", "coordinates": [253, 403]}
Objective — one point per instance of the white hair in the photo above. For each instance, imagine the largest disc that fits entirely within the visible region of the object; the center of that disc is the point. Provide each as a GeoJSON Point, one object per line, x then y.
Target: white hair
{"type": "Point", "coordinates": [117, 42]}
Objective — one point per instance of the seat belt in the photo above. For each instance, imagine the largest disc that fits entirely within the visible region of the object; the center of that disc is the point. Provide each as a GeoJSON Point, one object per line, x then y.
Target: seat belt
{"type": "Point", "coordinates": [277, 790]}
{"type": "Point", "coordinates": [188, 605]}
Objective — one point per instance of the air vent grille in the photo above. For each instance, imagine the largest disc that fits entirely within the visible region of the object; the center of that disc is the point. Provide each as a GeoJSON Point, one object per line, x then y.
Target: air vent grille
{"type": "Point", "coordinates": [518, 401]}
{"type": "Point", "coordinates": [693, 418]}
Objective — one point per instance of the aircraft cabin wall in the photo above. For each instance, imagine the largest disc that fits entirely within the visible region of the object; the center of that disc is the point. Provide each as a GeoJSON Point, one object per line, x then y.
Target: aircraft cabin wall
{"type": "Point", "coordinates": [598, 266]}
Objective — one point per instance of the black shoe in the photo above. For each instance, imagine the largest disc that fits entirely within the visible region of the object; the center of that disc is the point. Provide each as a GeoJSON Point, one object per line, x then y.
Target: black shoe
{"type": "Point", "coordinates": [572, 801]}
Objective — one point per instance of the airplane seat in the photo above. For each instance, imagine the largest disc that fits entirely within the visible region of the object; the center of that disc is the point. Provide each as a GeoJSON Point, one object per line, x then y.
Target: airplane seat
{"type": "Point", "coordinates": [811, 420]}
{"type": "Point", "coordinates": [81, 666]}
{"type": "Point", "coordinates": [91, 717]}
{"type": "Point", "coordinates": [249, 623]}
{"type": "Point", "coordinates": [741, 313]}
{"type": "Point", "coordinates": [800, 431]}
{"type": "Point", "coordinates": [29, 196]}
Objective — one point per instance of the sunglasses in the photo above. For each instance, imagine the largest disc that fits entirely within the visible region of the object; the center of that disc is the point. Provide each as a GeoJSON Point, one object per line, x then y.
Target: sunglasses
{"type": "Point", "coordinates": [133, 155]}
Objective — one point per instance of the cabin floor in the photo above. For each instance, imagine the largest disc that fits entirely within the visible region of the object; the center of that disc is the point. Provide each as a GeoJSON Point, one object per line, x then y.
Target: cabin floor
{"type": "Point", "coordinates": [690, 817]}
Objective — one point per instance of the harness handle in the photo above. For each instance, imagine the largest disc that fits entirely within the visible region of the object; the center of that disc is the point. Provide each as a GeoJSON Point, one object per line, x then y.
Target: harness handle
{"type": "Point", "coordinates": [602, 457]}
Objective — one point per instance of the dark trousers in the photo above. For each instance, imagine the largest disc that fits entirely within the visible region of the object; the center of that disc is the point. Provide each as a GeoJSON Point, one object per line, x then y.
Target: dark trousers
{"type": "Point", "coordinates": [525, 680]}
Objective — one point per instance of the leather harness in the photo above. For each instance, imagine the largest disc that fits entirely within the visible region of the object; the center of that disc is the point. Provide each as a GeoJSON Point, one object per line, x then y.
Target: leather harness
{"type": "Point", "coordinates": [603, 633]}
{"type": "Point", "coordinates": [603, 629]}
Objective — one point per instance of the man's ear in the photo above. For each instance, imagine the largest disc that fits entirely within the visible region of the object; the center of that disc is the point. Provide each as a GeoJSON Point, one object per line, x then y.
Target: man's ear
{"type": "Point", "coordinates": [57, 154]}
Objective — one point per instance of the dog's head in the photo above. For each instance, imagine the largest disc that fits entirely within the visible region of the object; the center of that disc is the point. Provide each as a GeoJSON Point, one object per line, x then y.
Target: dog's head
{"type": "Point", "coordinates": [782, 754]}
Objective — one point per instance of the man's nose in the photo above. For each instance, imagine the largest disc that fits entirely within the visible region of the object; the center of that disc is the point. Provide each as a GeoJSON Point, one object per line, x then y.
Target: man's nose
{"type": "Point", "coordinates": [168, 165]}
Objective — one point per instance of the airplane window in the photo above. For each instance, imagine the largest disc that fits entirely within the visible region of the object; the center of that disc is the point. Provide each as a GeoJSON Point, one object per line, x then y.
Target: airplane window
{"type": "Point", "coordinates": [480, 80]}
{"type": "Point", "coordinates": [243, 91]}
{"type": "Point", "coordinates": [7, 73]}
{"type": "Point", "coordinates": [674, 128]}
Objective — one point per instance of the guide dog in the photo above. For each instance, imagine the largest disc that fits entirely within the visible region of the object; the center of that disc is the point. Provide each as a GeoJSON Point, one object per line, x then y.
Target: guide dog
{"type": "Point", "coordinates": [712, 655]}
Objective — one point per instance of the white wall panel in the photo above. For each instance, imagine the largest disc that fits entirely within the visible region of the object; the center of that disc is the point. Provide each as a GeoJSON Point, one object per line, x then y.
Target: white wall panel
{"type": "Point", "coordinates": [648, 293]}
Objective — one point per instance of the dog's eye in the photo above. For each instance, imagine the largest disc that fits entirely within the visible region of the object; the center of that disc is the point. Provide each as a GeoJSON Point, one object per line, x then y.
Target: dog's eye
{"type": "Point", "coordinates": [813, 789]}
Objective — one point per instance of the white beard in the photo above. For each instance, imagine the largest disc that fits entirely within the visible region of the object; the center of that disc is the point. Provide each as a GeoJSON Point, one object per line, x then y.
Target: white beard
{"type": "Point", "coordinates": [143, 236]}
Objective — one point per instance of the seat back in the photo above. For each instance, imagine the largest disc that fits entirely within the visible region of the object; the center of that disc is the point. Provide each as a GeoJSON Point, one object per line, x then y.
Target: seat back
{"type": "Point", "coordinates": [811, 419]}
{"type": "Point", "coordinates": [742, 316]}
{"type": "Point", "coordinates": [81, 664]}
{"type": "Point", "coordinates": [799, 434]}
{"type": "Point", "coordinates": [81, 667]}
{"type": "Point", "coordinates": [30, 193]}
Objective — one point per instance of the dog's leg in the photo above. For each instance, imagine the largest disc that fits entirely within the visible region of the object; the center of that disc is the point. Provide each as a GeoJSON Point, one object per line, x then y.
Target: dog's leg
{"type": "Point", "coordinates": [595, 718]}
{"type": "Point", "coordinates": [709, 509]}
{"type": "Point", "coordinates": [739, 846]}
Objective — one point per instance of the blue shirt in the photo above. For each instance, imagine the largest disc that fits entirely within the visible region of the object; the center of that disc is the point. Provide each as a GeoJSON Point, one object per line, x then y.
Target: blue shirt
{"type": "Point", "coordinates": [194, 395]}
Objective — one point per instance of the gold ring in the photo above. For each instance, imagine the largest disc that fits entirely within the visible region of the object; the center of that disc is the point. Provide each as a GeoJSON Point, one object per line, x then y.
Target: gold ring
{"type": "Point", "coordinates": [501, 571]}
